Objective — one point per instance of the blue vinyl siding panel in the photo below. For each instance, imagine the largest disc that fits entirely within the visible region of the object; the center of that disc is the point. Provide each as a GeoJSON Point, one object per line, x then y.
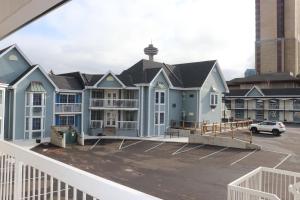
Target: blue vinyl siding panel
{"type": "Point", "coordinates": [11, 69]}
{"type": "Point", "coordinates": [37, 75]}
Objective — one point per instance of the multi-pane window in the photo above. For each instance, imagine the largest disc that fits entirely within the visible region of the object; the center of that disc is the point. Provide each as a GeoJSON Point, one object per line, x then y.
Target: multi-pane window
{"type": "Point", "coordinates": [239, 114]}
{"type": "Point", "coordinates": [259, 104]}
{"type": "Point", "coordinates": [67, 120]}
{"type": "Point", "coordinates": [67, 98]}
{"type": "Point", "coordinates": [35, 115]}
{"type": "Point", "coordinates": [213, 99]}
{"type": "Point", "coordinates": [239, 103]}
{"type": "Point", "coordinates": [274, 104]}
{"type": "Point", "coordinates": [296, 104]}
{"type": "Point", "coordinates": [98, 94]}
{"type": "Point", "coordinates": [259, 115]}
{"type": "Point", "coordinates": [159, 117]}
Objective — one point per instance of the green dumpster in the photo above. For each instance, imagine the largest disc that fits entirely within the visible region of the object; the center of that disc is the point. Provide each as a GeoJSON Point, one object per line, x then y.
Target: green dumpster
{"type": "Point", "coordinates": [71, 137]}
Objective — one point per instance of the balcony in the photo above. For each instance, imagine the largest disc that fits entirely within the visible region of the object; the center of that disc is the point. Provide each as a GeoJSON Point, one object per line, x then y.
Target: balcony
{"type": "Point", "coordinates": [29, 175]}
{"type": "Point", "coordinates": [265, 183]}
{"type": "Point", "coordinates": [125, 125]}
{"type": "Point", "coordinates": [96, 124]}
{"type": "Point", "coordinates": [119, 104]}
{"type": "Point", "coordinates": [68, 107]}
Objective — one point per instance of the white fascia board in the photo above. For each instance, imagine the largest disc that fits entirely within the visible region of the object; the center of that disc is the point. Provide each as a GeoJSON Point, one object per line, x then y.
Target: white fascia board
{"type": "Point", "coordinates": [255, 87]}
{"type": "Point", "coordinates": [165, 75]}
{"type": "Point", "coordinates": [69, 91]}
{"type": "Point", "coordinates": [32, 70]}
{"type": "Point", "coordinates": [15, 46]}
{"type": "Point", "coordinates": [3, 85]}
{"type": "Point", "coordinates": [191, 88]}
{"type": "Point", "coordinates": [103, 77]}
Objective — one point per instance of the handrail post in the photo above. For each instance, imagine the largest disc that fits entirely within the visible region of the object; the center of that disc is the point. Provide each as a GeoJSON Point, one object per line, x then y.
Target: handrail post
{"type": "Point", "coordinates": [18, 180]}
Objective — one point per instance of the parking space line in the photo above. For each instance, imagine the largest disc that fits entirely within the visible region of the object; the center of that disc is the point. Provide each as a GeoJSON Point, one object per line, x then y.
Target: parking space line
{"type": "Point", "coordinates": [249, 154]}
{"type": "Point", "coordinates": [283, 160]}
{"type": "Point", "coordinates": [275, 151]}
{"type": "Point", "coordinates": [95, 144]}
{"type": "Point", "coordinates": [198, 146]}
{"type": "Point", "coordinates": [132, 144]}
{"type": "Point", "coordinates": [214, 153]}
{"type": "Point", "coordinates": [174, 153]}
{"type": "Point", "coordinates": [120, 147]}
{"type": "Point", "coordinates": [154, 147]}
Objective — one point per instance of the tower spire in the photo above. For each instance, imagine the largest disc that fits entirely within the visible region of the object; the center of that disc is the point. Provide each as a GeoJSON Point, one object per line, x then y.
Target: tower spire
{"type": "Point", "coordinates": [151, 51]}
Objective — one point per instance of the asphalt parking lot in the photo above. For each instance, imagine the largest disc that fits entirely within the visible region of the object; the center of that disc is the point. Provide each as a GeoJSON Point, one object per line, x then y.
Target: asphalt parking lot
{"type": "Point", "coordinates": [178, 170]}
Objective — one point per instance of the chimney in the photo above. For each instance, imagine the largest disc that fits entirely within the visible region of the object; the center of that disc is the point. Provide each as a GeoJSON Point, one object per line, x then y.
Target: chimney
{"type": "Point", "coordinates": [151, 51]}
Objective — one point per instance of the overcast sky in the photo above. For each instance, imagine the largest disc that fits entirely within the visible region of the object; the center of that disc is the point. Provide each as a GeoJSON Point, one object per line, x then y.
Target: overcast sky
{"type": "Point", "coordinates": [95, 36]}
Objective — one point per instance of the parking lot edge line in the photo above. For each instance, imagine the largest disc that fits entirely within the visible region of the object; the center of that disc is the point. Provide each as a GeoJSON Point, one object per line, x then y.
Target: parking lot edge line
{"type": "Point", "coordinates": [275, 151]}
{"type": "Point", "coordinates": [154, 147]}
{"type": "Point", "coordinates": [281, 162]}
{"type": "Point", "coordinates": [211, 154]}
{"type": "Point", "coordinates": [249, 154]}
{"type": "Point", "coordinates": [95, 144]}
{"type": "Point", "coordinates": [201, 145]}
{"type": "Point", "coordinates": [120, 147]}
{"type": "Point", "coordinates": [132, 144]}
{"type": "Point", "coordinates": [174, 153]}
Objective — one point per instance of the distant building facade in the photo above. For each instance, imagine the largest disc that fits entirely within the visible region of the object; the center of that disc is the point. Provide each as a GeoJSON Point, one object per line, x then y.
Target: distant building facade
{"type": "Point", "coordinates": [144, 100]}
{"type": "Point", "coordinates": [250, 72]}
{"type": "Point", "coordinates": [277, 36]}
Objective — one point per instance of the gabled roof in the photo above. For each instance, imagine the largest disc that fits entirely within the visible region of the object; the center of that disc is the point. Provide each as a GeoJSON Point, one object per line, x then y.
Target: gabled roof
{"type": "Point", "coordinates": [253, 89]}
{"type": "Point", "coordinates": [181, 75]}
{"type": "Point", "coordinates": [28, 72]}
{"type": "Point", "coordinates": [194, 74]}
{"type": "Point", "coordinates": [271, 77]}
{"type": "Point", "coordinates": [112, 74]}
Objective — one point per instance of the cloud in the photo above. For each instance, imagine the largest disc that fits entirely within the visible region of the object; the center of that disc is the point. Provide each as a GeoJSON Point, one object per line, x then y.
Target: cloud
{"type": "Point", "coordinates": [95, 36]}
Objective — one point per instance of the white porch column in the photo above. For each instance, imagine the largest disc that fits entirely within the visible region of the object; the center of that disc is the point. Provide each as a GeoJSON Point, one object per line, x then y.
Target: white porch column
{"type": "Point", "coordinates": [2, 108]}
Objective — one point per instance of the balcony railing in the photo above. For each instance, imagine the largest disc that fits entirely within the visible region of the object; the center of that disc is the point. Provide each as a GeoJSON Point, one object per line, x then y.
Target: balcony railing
{"type": "Point", "coordinates": [239, 105]}
{"type": "Point", "coordinates": [266, 183]}
{"type": "Point", "coordinates": [68, 107]}
{"type": "Point", "coordinates": [273, 106]}
{"type": "Point", "coordinates": [28, 175]}
{"type": "Point", "coordinates": [114, 103]}
{"type": "Point", "coordinates": [127, 125]}
{"type": "Point", "coordinates": [96, 124]}
{"type": "Point", "coordinates": [296, 106]}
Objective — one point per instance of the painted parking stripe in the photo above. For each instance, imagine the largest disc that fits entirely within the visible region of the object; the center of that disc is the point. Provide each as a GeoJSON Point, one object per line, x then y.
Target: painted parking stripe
{"type": "Point", "coordinates": [287, 157]}
{"type": "Point", "coordinates": [175, 152]}
{"type": "Point", "coordinates": [214, 153]}
{"type": "Point", "coordinates": [120, 147]}
{"type": "Point", "coordinates": [249, 154]}
{"type": "Point", "coordinates": [132, 144]}
{"type": "Point", "coordinates": [192, 148]}
{"type": "Point", "coordinates": [154, 147]}
{"type": "Point", "coordinates": [95, 144]}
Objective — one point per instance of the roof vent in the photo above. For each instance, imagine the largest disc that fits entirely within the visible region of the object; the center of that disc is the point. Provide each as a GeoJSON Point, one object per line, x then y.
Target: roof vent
{"type": "Point", "coordinates": [151, 51]}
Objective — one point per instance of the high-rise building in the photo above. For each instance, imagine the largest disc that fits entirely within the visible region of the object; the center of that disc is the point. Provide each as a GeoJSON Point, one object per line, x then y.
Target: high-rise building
{"type": "Point", "coordinates": [277, 46]}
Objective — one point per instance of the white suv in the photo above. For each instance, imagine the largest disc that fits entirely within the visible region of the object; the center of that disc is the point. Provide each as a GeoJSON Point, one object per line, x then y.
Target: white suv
{"type": "Point", "coordinates": [276, 128]}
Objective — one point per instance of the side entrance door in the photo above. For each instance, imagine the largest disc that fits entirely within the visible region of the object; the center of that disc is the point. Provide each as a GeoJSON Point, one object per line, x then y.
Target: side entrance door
{"type": "Point", "coordinates": [111, 96]}
{"type": "Point", "coordinates": [110, 118]}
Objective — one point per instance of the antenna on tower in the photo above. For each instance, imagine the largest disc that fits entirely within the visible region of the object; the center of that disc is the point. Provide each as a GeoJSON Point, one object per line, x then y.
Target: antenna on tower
{"type": "Point", "coordinates": [151, 51]}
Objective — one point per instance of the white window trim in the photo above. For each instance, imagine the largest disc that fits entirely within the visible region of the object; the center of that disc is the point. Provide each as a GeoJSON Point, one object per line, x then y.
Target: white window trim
{"type": "Point", "coordinates": [159, 104]}
{"type": "Point", "coordinates": [214, 96]}
{"type": "Point", "coordinates": [30, 117]}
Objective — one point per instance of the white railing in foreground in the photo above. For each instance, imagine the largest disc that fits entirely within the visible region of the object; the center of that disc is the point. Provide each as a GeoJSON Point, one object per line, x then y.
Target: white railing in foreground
{"type": "Point", "coordinates": [265, 183]}
{"type": "Point", "coordinates": [27, 175]}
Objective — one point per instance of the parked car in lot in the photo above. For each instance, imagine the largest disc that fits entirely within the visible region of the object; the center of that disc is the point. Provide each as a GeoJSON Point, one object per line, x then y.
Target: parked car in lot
{"type": "Point", "coordinates": [276, 128]}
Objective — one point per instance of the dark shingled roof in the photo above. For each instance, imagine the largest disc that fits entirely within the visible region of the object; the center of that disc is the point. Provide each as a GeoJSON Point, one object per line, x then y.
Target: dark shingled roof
{"type": "Point", "coordinates": [66, 82]}
{"type": "Point", "coordinates": [194, 74]}
{"type": "Point", "coordinates": [237, 92]}
{"type": "Point", "coordinates": [281, 92]}
{"type": "Point", "coordinates": [271, 77]}
{"type": "Point", "coordinates": [266, 92]}
{"type": "Point", "coordinates": [181, 75]}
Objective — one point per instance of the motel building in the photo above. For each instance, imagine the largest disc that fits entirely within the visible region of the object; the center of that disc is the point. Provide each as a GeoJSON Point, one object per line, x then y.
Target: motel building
{"type": "Point", "coordinates": [144, 100]}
